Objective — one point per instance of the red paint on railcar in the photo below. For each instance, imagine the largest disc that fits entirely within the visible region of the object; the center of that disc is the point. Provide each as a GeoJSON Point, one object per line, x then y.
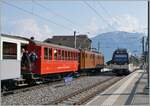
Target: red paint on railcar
{"type": "Point", "coordinates": [53, 58]}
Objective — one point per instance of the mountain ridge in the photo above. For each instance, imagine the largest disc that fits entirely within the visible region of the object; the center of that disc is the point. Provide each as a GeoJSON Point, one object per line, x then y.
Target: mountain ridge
{"type": "Point", "coordinates": [110, 41]}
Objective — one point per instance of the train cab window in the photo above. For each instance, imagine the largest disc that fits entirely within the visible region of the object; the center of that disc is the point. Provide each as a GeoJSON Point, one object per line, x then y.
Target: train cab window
{"type": "Point", "coordinates": [45, 53]}
{"type": "Point", "coordinates": [50, 54]}
{"type": "Point", "coordinates": [9, 50]}
{"type": "Point", "coordinates": [55, 54]}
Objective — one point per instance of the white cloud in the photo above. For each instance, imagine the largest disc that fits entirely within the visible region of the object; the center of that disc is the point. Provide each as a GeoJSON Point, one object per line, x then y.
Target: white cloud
{"type": "Point", "coordinates": [29, 27]}
{"type": "Point", "coordinates": [127, 23]}
{"type": "Point", "coordinates": [93, 27]}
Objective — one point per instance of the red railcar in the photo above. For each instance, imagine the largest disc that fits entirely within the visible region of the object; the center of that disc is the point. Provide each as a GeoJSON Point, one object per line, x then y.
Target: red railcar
{"type": "Point", "coordinates": [53, 58]}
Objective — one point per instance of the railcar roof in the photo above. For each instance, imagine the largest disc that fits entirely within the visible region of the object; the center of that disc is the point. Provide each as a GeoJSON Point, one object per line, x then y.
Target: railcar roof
{"type": "Point", "coordinates": [52, 45]}
{"type": "Point", "coordinates": [15, 37]}
{"type": "Point", "coordinates": [92, 52]}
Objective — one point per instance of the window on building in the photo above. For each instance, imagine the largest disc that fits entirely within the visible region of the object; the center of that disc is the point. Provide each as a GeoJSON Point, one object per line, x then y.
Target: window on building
{"type": "Point", "coordinates": [45, 53]}
{"type": "Point", "coordinates": [50, 53]}
{"type": "Point", "coordinates": [9, 50]}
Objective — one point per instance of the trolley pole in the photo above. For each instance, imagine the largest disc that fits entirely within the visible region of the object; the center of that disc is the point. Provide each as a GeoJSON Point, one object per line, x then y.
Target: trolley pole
{"type": "Point", "coordinates": [75, 39]}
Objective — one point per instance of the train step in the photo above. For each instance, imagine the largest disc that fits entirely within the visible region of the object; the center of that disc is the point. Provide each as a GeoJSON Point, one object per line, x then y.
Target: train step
{"type": "Point", "coordinates": [20, 82]}
{"type": "Point", "coordinates": [20, 85]}
{"type": "Point", "coordinates": [38, 82]}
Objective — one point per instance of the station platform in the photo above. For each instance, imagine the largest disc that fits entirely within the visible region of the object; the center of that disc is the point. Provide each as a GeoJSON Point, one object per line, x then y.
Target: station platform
{"type": "Point", "coordinates": [130, 90]}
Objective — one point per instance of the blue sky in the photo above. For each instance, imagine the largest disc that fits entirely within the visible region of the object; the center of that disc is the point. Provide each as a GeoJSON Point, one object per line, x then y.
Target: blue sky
{"type": "Point", "coordinates": [72, 15]}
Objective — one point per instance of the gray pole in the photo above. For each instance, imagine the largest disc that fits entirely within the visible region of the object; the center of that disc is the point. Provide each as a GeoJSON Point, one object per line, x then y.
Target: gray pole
{"type": "Point", "coordinates": [98, 46]}
{"type": "Point", "coordinates": [143, 45]}
{"type": "Point", "coordinates": [74, 39]}
{"type": "Point", "coordinates": [148, 42]}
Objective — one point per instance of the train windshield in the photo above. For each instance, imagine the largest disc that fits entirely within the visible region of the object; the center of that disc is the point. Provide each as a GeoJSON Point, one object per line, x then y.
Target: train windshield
{"type": "Point", "coordinates": [121, 57]}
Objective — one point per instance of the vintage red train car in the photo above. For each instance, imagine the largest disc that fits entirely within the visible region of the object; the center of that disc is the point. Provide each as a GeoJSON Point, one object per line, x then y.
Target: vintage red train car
{"type": "Point", "coordinates": [53, 59]}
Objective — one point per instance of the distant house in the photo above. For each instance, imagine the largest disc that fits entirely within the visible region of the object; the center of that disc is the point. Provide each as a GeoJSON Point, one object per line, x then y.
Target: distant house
{"type": "Point", "coordinates": [82, 41]}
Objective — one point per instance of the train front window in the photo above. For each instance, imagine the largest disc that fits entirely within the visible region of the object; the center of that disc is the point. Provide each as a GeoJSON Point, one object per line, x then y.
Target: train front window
{"type": "Point", "coordinates": [121, 57]}
{"type": "Point", "coordinates": [9, 50]}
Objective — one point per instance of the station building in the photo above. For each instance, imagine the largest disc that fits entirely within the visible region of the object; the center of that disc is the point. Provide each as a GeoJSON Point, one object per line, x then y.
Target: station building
{"type": "Point", "coordinates": [82, 41]}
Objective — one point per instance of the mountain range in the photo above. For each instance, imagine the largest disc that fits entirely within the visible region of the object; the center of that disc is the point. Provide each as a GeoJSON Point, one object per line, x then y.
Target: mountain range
{"type": "Point", "coordinates": [110, 41]}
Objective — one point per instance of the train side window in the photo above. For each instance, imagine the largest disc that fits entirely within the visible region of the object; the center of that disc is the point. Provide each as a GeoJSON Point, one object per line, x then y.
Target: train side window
{"type": "Point", "coordinates": [59, 54]}
{"type": "Point", "coordinates": [66, 56]}
{"type": "Point", "coordinates": [9, 50]}
{"type": "Point", "coordinates": [72, 55]}
{"type": "Point", "coordinates": [63, 55]}
{"type": "Point", "coordinates": [86, 55]}
{"type": "Point", "coordinates": [69, 56]}
{"type": "Point", "coordinates": [50, 54]}
{"type": "Point", "coordinates": [45, 53]}
{"type": "Point", "coordinates": [55, 54]}
{"type": "Point", "coordinates": [77, 58]}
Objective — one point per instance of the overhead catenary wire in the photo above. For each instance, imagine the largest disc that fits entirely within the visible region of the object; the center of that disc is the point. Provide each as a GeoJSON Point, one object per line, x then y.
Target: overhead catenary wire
{"type": "Point", "coordinates": [56, 14]}
{"type": "Point", "coordinates": [106, 11]}
{"type": "Point", "coordinates": [98, 14]}
{"type": "Point", "coordinates": [41, 17]}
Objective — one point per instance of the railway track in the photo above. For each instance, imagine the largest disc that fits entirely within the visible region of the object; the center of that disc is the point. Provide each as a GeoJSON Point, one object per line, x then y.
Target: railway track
{"type": "Point", "coordinates": [81, 96]}
{"type": "Point", "coordinates": [33, 87]}
{"type": "Point", "coordinates": [28, 88]}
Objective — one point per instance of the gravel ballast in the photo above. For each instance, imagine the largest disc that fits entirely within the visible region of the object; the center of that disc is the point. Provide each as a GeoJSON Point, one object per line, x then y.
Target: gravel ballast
{"type": "Point", "coordinates": [45, 95]}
